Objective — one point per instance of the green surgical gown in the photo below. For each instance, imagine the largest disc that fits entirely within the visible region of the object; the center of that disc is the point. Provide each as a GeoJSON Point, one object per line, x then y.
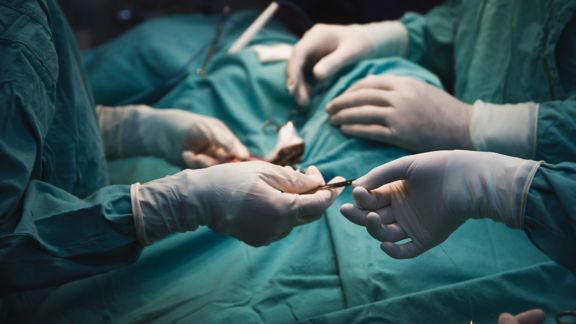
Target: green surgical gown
{"type": "Point", "coordinates": [503, 51]}
{"type": "Point", "coordinates": [58, 219]}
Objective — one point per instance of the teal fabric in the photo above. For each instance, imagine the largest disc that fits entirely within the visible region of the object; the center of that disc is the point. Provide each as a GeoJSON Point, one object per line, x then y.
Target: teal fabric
{"type": "Point", "coordinates": [54, 224]}
{"type": "Point", "coordinates": [550, 218]}
{"type": "Point", "coordinates": [511, 52]}
{"type": "Point", "coordinates": [113, 66]}
{"type": "Point", "coordinates": [329, 271]}
{"type": "Point", "coordinates": [565, 52]}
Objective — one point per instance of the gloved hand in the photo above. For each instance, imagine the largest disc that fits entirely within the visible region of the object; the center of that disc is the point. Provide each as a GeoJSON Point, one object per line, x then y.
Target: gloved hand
{"type": "Point", "coordinates": [256, 202]}
{"type": "Point", "coordinates": [181, 137]}
{"type": "Point", "coordinates": [533, 316]}
{"type": "Point", "coordinates": [425, 197]}
{"type": "Point", "coordinates": [404, 112]}
{"type": "Point", "coordinates": [326, 49]}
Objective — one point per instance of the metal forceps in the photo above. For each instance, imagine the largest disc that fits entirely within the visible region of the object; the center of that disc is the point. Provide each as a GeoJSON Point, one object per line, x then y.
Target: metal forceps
{"type": "Point", "coordinates": [214, 44]}
{"type": "Point", "coordinates": [331, 186]}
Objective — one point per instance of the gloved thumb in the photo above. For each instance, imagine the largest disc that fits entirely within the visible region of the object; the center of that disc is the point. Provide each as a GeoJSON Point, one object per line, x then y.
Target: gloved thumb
{"type": "Point", "coordinates": [332, 64]}
{"type": "Point", "coordinates": [234, 147]}
{"type": "Point", "coordinates": [314, 172]}
{"type": "Point", "coordinates": [506, 318]}
{"type": "Point", "coordinates": [533, 316]}
{"type": "Point", "coordinates": [291, 181]}
{"type": "Point", "coordinates": [198, 161]}
{"type": "Point", "coordinates": [371, 200]}
{"type": "Point", "coordinates": [386, 173]}
{"type": "Point", "coordinates": [311, 206]}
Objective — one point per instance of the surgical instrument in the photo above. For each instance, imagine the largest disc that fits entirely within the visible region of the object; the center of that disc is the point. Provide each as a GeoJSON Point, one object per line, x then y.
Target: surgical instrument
{"type": "Point", "coordinates": [214, 44]}
{"type": "Point", "coordinates": [254, 28]}
{"type": "Point", "coordinates": [331, 186]}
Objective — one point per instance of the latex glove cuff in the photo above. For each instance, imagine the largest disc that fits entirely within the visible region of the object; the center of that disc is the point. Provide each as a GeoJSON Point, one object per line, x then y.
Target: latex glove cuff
{"type": "Point", "coordinates": [388, 38]}
{"type": "Point", "coordinates": [506, 129]}
{"type": "Point", "coordinates": [121, 129]}
{"type": "Point", "coordinates": [497, 184]}
{"type": "Point", "coordinates": [158, 211]}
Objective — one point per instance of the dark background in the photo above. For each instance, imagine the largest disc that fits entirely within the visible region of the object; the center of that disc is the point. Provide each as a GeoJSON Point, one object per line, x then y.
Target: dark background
{"type": "Point", "coordinates": [96, 21]}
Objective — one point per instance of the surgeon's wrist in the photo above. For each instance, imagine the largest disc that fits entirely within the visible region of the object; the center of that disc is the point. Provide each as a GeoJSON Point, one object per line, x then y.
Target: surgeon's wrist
{"type": "Point", "coordinates": [519, 180]}
{"type": "Point", "coordinates": [127, 131]}
{"type": "Point", "coordinates": [499, 186]}
{"type": "Point", "coordinates": [169, 205]}
{"type": "Point", "coordinates": [508, 129]}
{"type": "Point", "coordinates": [112, 121]}
{"type": "Point", "coordinates": [150, 133]}
{"type": "Point", "coordinates": [462, 118]}
{"type": "Point", "coordinates": [388, 38]}
{"type": "Point", "coordinates": [162, 135]}
{"type": "Point", "coordinates": [146, 131]}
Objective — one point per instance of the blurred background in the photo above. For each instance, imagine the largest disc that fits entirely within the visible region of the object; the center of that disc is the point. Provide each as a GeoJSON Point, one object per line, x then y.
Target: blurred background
{"type": "Point", "coordinates": [97, 21]}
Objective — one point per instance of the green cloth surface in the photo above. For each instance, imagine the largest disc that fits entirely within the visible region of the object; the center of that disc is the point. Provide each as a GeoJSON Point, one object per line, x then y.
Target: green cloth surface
{"type": "Point", "coordinates": [330, 271]}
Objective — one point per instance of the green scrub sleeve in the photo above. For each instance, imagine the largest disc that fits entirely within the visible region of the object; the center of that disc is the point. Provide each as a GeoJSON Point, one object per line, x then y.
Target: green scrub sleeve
{"type": "Point", "coordinates": [431, 40]}
{"type": "Point", "coordinates": [556, 134]}
{"type": "Point", "coordinates": [49, 236]}
{"type": "Point", "coordinates": [60, 237]}
{"type": "Point", "coordinates": [550, 217]}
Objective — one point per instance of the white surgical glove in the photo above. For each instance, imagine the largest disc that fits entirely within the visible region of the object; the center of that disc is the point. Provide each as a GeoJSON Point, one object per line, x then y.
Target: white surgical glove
{"type": "Point", "coordinates": [404, 112]}
{"type": "Point", "coordinates": [326, 49]}
{"type": "Point", "coordinates": [181, 137]}
{"type": "Point", "coordinates": [425, 197]}
{"type": "Point", "coordinates": [533, 316]}
{"type": "Point", "coordinates": [255, 202]}
{"type": "Point", "coordinates": [508, 129]}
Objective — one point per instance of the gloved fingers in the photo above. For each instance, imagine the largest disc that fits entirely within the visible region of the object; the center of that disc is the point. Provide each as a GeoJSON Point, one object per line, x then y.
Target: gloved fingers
{"type": "Point", "coordinates": [302, 93]}
{"type": "Point", "coordinates": [210, 153]}
{"type": "Point", "coordinates": [314, 172]}
{"type": "Point", "coordinates": [239, 150]}
{"type": "Point", "coordinates": [198, 161]}
{"type": "Point", "coordinates": [227, 140]}
{"type": "Point", "coordinates": [294, 68]}
{"type": "Point", "coordinates": [365, 115]}
{"type": "Point", "coordinates": [507, 318]}
{"type": "Point", "coordinates": [354, 214]}
{"type": "Point", "coordinates": [384, 233]}
{"type": "Point", "coordinates": [372, 132]}
{"type": "Point", "coordinates": [291, 181]}
{"type": "Point", "coordinates": [358, 216]}
{"type": "Point", "coordinates": [303, 55]}
{"type": "Point", "coordinates": [312, 206]}
{"type": "Point", "coordinates": [332, 63]}
{"type": "Point", "coordinates": [386, 173]}
{"type": "Point", "coordinates": [214, 138]}
{"type": "Point", "coordinates": [386, 215]}
{"type": "Point", "coordinates": [533, 316]}
{"type": "Point", "coordinates": [382, 82]}
{"type": "Point", "coordinates": [217, 152]}
{"type": "Point", "coordinates": [372, 200]}
{"type": "Point", "coordinates": [401, 251]}
{"type": "Point", "coordinates": [361, 97]}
